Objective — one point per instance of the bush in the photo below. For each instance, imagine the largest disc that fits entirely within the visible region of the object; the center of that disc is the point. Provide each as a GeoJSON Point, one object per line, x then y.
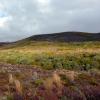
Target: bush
{"type": "Point", "coordinates": [70, 62]}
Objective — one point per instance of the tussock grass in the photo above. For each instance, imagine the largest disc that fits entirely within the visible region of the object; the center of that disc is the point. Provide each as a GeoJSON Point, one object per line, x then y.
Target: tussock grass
{"type": "Point", "coordinates": [18, 86]}
{"type": "Point", "coordinates": [51, 81]}
{"type": "Point", "coordinates": [11, 79]}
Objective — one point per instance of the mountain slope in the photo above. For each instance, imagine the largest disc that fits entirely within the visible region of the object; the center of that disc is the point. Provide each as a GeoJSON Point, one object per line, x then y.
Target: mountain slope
{"type": "Point", "coordinates": [66, 37]}
{"type": "Point", "coordinates": [55, 37]}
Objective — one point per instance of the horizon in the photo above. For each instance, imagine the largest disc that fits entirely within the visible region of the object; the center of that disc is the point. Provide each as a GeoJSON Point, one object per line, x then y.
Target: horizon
{"type": "Point", "coordinates": [22, 19]}
{"type": "Point", "coordinates": [49, 34]}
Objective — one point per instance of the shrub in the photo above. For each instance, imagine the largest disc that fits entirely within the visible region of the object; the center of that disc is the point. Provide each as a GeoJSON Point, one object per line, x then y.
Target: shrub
{"type": "Point", "coordinates": [38, 82]}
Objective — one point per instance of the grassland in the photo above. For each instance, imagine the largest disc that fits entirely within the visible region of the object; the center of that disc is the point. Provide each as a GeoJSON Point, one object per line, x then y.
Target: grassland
{"type": "Point", "coordinates": [32, 70]}
{"type": "Point", "coordinates": [53, 55]}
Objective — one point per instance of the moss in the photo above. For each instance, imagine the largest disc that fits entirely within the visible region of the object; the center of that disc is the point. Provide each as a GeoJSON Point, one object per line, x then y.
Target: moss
{"type": "Point", "coordinates": [9, 97]}
{"type": "Point", "coordinates": [65, 80]}
{"type": "Point", "coordinates": [38, 82]}
{"type": "Point", "coordinates": [93, 82]}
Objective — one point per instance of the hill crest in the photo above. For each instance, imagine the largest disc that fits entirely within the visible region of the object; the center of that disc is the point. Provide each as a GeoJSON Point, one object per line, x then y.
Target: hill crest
{"type": "Point", "coordinates": [66, 37]}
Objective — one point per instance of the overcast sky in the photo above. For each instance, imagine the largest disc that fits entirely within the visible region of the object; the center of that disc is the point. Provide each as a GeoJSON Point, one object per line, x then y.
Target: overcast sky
{"type": "Point", "coordinates": [23, 18]}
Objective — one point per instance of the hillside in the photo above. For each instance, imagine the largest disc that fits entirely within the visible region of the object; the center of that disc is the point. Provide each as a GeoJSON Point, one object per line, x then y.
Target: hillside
{"type": "Point", "coordinates": [54, 37]}
{"type": "Point", "coordinates": [60, 66]}
{"type": "Point", "coordinates": [4, 43]}
{"type": "Point", "coordinates": [66, 37]}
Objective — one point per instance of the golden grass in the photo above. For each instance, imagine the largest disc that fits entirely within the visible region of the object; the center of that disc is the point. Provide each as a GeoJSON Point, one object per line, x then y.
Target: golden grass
{"type": "Point", "coordinates": [18, 86]}
{"type": "Point", "coordinates": [11, 79]}
{"type": "Point", "coordinates": [55, 79]}
{"type": "Point", "coordinates": [15, 82]}
{"type": "Point", "coordinates": [48, 83]}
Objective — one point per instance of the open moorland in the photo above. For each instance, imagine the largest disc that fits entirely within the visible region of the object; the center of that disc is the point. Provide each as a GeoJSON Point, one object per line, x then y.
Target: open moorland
{"type": "Point", "coordinates": [42, 70]}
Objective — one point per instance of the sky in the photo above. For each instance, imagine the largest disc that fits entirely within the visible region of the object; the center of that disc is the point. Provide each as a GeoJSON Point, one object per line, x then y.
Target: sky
{"type": "Point", "coordinates": [23, 18]}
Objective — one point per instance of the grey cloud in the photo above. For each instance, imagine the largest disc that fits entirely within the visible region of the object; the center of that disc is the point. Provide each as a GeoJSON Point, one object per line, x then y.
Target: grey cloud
{"type": "Point", "coordinates": [29, 17]}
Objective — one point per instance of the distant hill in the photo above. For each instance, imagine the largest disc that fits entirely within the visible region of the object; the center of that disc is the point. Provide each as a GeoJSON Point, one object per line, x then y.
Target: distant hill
{"type": "Point", "coordinates": [55, 37]}
{"type": "Point", "coordinates": [4, 43]}
{"type": "Point", "coordinates": [66, 37]}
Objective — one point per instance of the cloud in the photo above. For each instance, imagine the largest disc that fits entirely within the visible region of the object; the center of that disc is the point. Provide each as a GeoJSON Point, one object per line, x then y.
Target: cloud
{"type": "Point", "coordinates": [3, 21]}
{"type": "Point", "coordinates": [44, 6]}
{"type": "Point", "coordinates": [23, 18]}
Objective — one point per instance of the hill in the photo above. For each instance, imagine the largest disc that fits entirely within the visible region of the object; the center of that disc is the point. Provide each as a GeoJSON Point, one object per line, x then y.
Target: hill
{"type": "Point", "coordinates": [4, 43]}
{"type": "Point", "coordinates": [62, 37]}
{"type": "Point", "coordinates": [66, 37]}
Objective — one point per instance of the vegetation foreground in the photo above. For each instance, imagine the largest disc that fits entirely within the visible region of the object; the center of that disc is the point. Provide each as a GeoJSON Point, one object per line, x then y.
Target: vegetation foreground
{"type": "Point", "coordinates": [45, 70]}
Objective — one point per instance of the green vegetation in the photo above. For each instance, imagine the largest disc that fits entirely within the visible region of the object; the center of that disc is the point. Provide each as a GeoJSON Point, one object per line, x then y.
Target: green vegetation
{"type": "Point", "coordinates": [48, 55]}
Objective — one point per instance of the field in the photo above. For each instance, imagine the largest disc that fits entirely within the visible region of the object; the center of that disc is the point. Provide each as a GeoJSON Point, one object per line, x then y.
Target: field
{"type": "Point", "coordinates": [48, 55]}
{"type": "Point", "coordinates": [33, 70]}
